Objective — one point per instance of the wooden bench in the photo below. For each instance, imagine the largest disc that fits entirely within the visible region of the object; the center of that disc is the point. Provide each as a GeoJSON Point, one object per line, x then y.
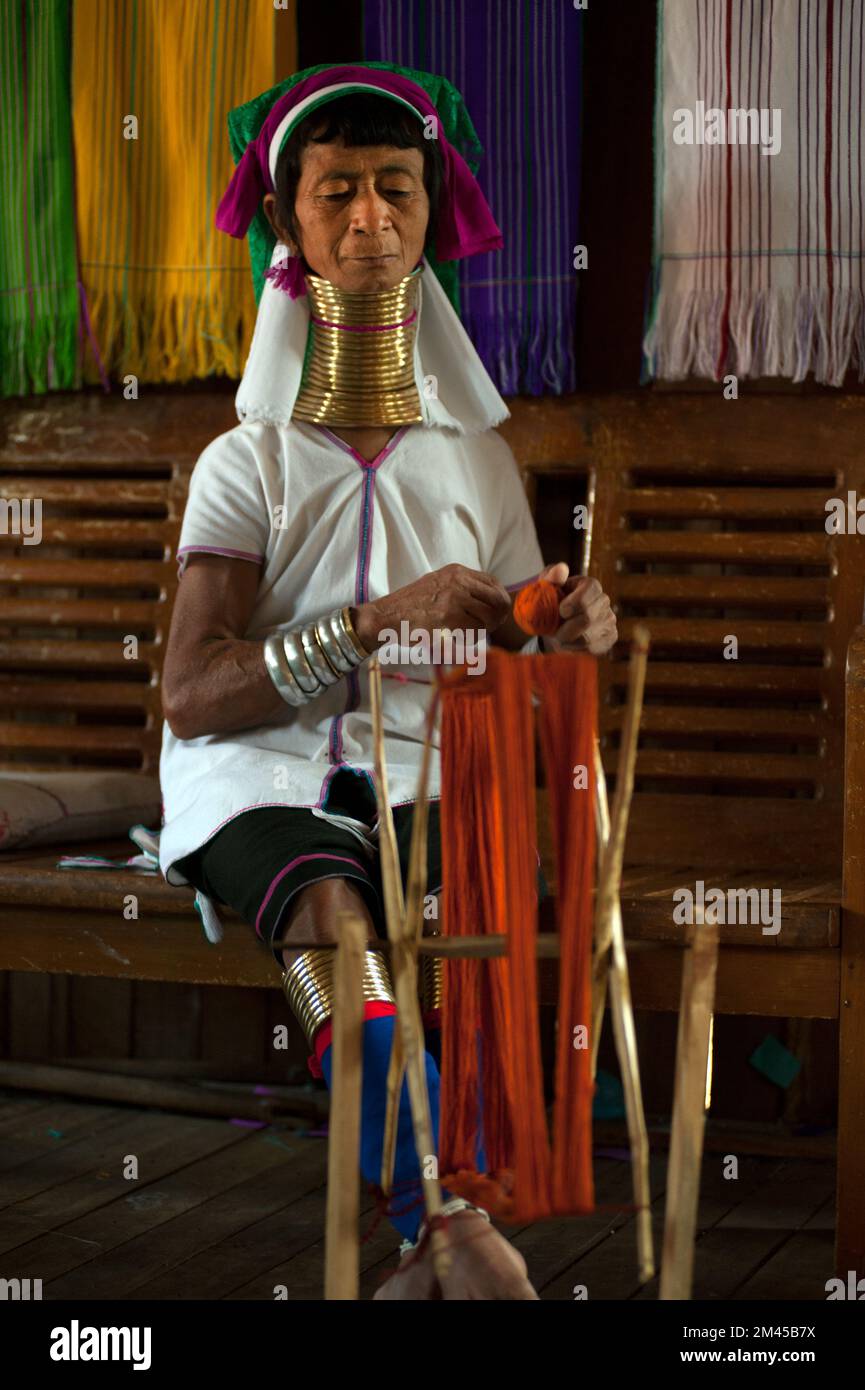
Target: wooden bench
{"type": "Point", "coordinates": [113, 477]}
{"type": "Point", "coordinates": [708, 520]}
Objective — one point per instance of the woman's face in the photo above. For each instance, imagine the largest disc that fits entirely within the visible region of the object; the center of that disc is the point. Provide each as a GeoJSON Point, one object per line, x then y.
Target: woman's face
{"type": "Point", "coordinates": [361, 211]}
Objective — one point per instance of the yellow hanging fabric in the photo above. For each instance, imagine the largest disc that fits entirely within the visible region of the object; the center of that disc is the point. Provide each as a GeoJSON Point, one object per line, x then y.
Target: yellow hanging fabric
{"type": "Point", "coordinates": [170, 297]}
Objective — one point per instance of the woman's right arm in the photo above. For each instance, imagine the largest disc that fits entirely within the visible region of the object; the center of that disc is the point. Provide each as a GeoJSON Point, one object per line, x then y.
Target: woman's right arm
{"type": "Point", "coordinates": [214, 681]}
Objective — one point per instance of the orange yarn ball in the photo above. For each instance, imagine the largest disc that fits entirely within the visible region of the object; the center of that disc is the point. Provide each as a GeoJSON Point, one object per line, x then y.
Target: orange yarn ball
{"type": "Point", "coordinates": [536, 608]}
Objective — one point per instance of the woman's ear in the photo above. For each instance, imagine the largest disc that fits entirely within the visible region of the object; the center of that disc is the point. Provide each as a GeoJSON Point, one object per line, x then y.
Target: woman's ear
{"type": "Point", "coordinates": [269, 205]}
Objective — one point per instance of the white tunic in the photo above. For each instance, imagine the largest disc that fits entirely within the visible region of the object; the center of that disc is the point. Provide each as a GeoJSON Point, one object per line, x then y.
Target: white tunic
{"type": "Point", "coordinates": [329, 529]}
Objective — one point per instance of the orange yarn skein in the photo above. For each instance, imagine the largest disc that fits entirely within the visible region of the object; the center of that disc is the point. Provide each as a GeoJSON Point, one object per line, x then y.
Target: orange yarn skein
{"type": "Point", "coordinates": [536, 608]}
{"type": "Point", "coordinates": [491, 1073]}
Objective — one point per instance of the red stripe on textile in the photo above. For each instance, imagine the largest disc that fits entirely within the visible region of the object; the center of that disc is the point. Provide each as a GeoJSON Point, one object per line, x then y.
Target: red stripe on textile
{"type": "Point", "coordinates": [728, 291]}
{"type": "Point", "coordinates": [827, 180]}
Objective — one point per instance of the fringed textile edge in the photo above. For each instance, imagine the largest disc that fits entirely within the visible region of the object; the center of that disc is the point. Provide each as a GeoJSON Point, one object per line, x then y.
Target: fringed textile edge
{"type": "Point", "coordinates": [775, 333]}
{"type": "Point", "coordinates": [40, 355]}
{"type": "Point", "coordinates": [170, 337]}
{"type": "Point", "coordinates": [536, 361]}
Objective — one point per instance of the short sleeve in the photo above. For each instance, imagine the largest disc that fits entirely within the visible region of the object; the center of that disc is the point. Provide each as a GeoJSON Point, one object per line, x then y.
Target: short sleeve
{"type": "Point", "coordinates": [226, 508]}
{"type": "Point", "coordinates": [516, 555]}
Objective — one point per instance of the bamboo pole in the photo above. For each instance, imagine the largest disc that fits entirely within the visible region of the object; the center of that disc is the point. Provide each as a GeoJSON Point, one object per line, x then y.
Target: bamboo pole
{"type": "Point", "coordinates": [342, 1244]}
{"type": "Point", "coordinates": [403, 936]}
{"type": "Point", "coordinates": [693, 1054]}
{"type": "Point", "coordinates": [625, 1035]}
{"type": "Point", "coordinates": [413, 930]}
{"type": "Point", "coordinates": [394, 908]}
{"type": "Point", "coordinates": [610, 962]}
{"type": "Point", "coordinates": [613, 850]}
{"type": "Point", "coordinates": [602, 947]}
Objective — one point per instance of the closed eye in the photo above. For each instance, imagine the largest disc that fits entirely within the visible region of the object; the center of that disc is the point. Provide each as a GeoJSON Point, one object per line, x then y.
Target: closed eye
{"type": "Point", "coordinates": [388, 192]}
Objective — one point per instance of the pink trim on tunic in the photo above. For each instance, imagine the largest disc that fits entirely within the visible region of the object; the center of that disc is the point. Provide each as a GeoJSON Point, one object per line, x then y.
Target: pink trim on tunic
{"type": "Point", "coordinates": [301, 859]}
{"type": "Point", "coordinates": [213, 550]}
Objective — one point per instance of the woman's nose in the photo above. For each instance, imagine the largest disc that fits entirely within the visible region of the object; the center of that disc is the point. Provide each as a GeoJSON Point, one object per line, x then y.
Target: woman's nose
{"type": "Point", "coordinates": [369, 211]}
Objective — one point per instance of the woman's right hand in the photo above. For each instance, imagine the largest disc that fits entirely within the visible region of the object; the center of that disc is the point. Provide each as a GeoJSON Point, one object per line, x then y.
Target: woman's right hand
{"type": "Point", "coordinates": [455, 597]}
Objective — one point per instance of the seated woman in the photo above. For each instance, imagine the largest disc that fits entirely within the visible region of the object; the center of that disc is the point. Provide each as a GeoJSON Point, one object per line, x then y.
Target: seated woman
{"type": "Point", "coordinates": [364, 488]}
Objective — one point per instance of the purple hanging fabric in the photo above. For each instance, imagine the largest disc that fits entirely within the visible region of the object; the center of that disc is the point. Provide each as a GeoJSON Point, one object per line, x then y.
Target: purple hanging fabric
{"type": "Point", "coordinates": [519, 69]}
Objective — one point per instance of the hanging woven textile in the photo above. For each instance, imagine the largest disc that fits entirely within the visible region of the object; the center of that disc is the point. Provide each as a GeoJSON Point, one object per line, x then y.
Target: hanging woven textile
{"type": "Point", "coordinates": [492, 1079]}
{"type": "Point", "coordinates": [519, 68]}
{"type": "Point", "coordinates": [153, 83]}
{"type": "Point", "coordinates": [759, 232]}
{"type": "Point", "coordinates": [39, 292]}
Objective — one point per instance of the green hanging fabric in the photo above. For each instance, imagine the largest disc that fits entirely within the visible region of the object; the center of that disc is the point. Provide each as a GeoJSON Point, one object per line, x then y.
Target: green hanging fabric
{"type": "Point", "coordinates": [39, 304]}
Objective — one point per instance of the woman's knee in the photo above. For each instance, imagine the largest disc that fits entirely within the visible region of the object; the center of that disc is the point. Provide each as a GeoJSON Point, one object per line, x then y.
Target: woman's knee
{"type": "Point", "coordinates": [313, 913]}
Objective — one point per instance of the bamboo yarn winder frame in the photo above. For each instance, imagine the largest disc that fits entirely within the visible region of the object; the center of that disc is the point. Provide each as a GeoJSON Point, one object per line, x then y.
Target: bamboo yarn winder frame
{"type": "Point", "coordinates": [404, 919]}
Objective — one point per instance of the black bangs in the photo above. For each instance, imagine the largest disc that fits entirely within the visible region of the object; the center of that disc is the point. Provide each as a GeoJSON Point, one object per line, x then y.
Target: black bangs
{"type": "Point", "coordinates": [358, 119]}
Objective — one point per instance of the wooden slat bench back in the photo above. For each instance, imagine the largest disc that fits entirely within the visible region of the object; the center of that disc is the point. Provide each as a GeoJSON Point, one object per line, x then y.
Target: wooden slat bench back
{"type": "Point", "coordinates": [110, 478]}
{"type": "Point", "coordinates": [709, 524]}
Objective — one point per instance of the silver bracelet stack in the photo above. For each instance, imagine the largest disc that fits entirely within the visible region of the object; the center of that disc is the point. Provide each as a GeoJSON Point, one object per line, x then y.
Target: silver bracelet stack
{"type": "Point", "coordinates": [306, 661]}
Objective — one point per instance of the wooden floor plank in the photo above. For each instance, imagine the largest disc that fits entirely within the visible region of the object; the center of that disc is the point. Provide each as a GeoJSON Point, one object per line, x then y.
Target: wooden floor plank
{"type": "Point", "coordinates": [137, 1244]}
{"type": "Point", "coordinates": [757, 1228]}
{"type": "Point", "coordinates": [159, 1153]}
{"type": "Point", "coordinates": [551, 1247]}
{"type": "Point", "coordinates": [224, 1242]}
{"type": "Point", "coordinates": [802, 1195]}
{"type": "Point", "coordinates": [823, 1218]}
{"type": "Point", "coordinates": [102, 1141]}
{"type": "Point", "coordinates": [301, 1273]}
{"type": "Point", "coordinates": [609, 1260]}
{"type": "Point", "coordinates": [799, 1269]}
{"type": "Point", "coordinates": [45, 1170]}
{"type": "Point", "coordinates": [48, 1131]}
{"type": "Point", "coordinates": [724, 1259]}
{"type": "Point", "coordinates": [283, 1241]}
{"type": "Point", "coordinates": [17, 1103]}
{"type": "Point", "coordinates": [108, 1204]}
{"type": "Point", "coordinates": [719, 1196]}
{"type": "Point", "coordinates": [221, 1212]}
{"type": "Point", "coordinates": [787, 1201]}
{"type": "Point", "coordinates": [609, 1269]}
{"type": "Point", "coordinates": [548, 1247]}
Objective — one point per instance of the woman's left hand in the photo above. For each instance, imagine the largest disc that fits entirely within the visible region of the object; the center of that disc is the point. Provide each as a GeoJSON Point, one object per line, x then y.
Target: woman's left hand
{"type": "Point", "coordinates": [588, 620]}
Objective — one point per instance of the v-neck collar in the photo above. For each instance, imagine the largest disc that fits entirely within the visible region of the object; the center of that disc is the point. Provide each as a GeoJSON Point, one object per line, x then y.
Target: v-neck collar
{"type": "Point", "coordinates": [359, 458]}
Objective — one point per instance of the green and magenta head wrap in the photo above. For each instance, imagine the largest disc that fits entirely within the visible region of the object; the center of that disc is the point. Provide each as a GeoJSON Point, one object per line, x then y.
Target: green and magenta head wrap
{"type": "Point", "coordinates": [258, 130]}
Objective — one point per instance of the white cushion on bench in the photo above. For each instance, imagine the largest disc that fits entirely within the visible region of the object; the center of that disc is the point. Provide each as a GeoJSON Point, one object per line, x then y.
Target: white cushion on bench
{"type": "Point", "coordinates": [42, 808]}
